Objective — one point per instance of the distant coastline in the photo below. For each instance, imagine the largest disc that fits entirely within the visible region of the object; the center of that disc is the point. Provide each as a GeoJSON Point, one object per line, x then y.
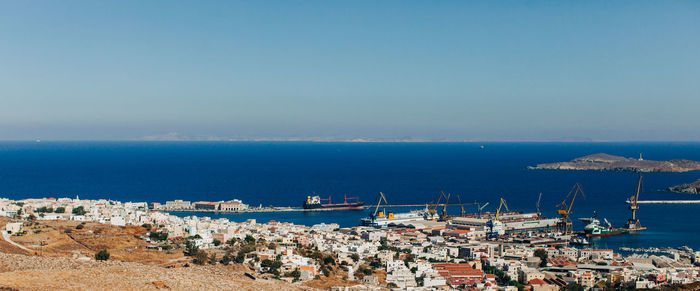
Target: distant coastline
{"type": "Point", "coordinates": [691, 188]}
{"type": "Point", "coordinates": [175, 136]}
{"type": "Point", "coordinates": [606, 162]}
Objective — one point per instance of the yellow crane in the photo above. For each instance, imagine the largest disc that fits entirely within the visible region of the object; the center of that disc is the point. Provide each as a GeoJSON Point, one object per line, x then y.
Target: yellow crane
{"type": "Point", "coordinates": [443, 215]}
{"type": "Point", "coordinates": [376, 210]}
{"type": "Point", "coordinates": [498, 211]}
{"type": "Point", "coordinates": [462, 213]}
{"type": "Point", "coordinates": [496, 226]}
{"type": "Point", "coordinates": [565, 208]}
{"type": "Point", "coordinates": [633, 223]}
{"type": "Point", "coordinates": [433, 209]}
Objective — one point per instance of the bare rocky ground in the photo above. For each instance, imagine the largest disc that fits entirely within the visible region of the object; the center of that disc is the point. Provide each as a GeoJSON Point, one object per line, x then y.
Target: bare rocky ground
{"type": "Point", "coordinates": [24, 272]}
{"type": "Point", "coordinates": [58, 260]}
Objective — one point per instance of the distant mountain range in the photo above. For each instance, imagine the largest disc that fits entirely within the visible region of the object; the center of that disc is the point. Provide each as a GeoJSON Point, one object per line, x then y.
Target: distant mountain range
{"type": "Point", "coordinates": [606, 162]}
{"type": "Point", "coordinates": [175, 136]}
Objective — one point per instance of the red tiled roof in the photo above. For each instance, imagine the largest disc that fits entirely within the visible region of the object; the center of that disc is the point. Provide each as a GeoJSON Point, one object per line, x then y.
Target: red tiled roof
{"type": "Point", "coordinates": [458, 231]}
{"type": "Point", "coordinates": [537, 281]}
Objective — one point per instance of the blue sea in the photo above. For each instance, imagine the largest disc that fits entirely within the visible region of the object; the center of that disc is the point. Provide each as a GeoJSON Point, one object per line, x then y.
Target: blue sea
{"type": "Point", "coordinates": [284, 173]}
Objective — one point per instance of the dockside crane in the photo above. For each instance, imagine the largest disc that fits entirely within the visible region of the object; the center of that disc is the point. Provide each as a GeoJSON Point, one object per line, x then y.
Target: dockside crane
{"type": "Point", "coordinates": [633, 223]}
{"type": "Point", "coordinates": [496, 226]}
{"type": "Point", "coordinates": [498, 211]}
{"type": "Point", "coordinates": [480, 208]}
{"type": "Point", "coordinates": [537, 206]}
{"type": "Point", "coordinates": [461, 206]}
{"type": "Point", "coordinates": [376, 210]}
{"type": "Point", "coordinates": [443, 215]}
{"type": "Point", "coordinates": [433, 209]}
{"type": "Point", "coordinates": [565, 208]}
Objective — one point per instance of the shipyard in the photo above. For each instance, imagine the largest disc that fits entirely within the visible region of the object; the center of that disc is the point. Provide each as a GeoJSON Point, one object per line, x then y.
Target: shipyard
{"type": "Point", "coordinates": [499, 224]}
{"type": "Point", "coordinates": [422, 249]}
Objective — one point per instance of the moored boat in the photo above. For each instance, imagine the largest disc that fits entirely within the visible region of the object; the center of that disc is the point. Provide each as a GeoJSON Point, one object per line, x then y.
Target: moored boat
{"type": "Point", "coordinates": [313, 203]}
{"type": "Point", "coordinates": [593, 228]}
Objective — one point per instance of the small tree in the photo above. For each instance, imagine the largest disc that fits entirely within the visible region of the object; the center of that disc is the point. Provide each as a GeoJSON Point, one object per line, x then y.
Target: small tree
{"type": "Point", "coordinates": [542, 254]}
{"type": "Point", "coordinates": [240, 258]}
{"type": "Point", "coordinates": [328, 260]}
{"type": "Point", "coordinates": [190, 248]}
{"type": "Point", "coordinates": [216, 242]}
{"type": "Point", "coordinates": [355, 257]}
{"type": "Point", "coordinates": [102, 255]}
{"type": "Point", "coordinates": [61, 210]}
{"type": "Point", "coordinates": [249, 239]}
{"type": "Point", "coordinates": [227, 258]}
{"type": "Point", "coordinates": [79, 210]}
{"type": "Point", "coordinates": [296, 274]}
{"type": "Point", "coordinates": [159, 236]}
{"type": "Point", "coordinates": [200, 258]}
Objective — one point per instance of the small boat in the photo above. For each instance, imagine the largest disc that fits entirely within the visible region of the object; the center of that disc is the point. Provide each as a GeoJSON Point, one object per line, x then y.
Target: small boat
{"type": "Point", "coordinates": [579, 240]}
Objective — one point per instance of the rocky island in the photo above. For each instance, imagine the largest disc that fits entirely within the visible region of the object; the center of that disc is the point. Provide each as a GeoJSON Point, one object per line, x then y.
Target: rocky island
{"type": "Point", "coordinates": [692, 188]}
{"type": "Point", "coordinates": [606, 162]}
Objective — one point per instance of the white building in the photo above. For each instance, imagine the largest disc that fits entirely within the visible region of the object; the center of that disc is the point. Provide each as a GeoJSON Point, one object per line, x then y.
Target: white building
{"type": "Point", "coordinates": [13, 227]}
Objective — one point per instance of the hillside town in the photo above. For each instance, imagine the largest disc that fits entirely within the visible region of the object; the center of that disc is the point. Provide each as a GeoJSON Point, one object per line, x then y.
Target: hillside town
{"type": "Point", "coordinates": [419, 256]}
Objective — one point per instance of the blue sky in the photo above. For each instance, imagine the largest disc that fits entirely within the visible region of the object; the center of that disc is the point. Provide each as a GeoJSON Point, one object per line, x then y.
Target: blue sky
{"type": "Point", "coordinates": [521, 70]}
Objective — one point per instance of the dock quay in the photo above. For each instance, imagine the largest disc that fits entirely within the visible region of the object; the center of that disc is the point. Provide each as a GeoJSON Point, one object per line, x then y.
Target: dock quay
{"type": "Point", "coordinates": [668, 202]}
{"type": "Point", "coordinates": [249, 210]}
{"type": "Point", "coordinates": [282, 209]}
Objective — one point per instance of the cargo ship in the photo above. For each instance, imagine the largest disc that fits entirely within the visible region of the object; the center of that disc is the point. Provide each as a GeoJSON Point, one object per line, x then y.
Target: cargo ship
{"type": "Point", "coordinates": [313, 203]}
{"type": "Point", "coordinates": [382, 218]}
{"type": "Point", "coordinates": [397, 219]}
{"type": "Point", "coordinates": [593, 228]}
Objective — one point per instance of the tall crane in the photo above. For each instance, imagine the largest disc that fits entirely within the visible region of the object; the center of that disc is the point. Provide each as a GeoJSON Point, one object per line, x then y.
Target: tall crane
{"type": "Point", "coordinates": [496, 226]}
{"type": "Point", "coordinates": [443, 215]}
{"type": "Point", "coordinates": [461, 206]}
{"type": "Point", "coordinates": [633, 223]}
{"type": "Point", "coordinates": [498, 211]}
{"type": "Point", "coordinates": [565, 208]}
{"type": "Point", "coordinates": [376, 210]}
{"type": "Point", "coordinates": [537, 206]}
{"type": "Point", "coordinates": [480, 207]}
{"type": "Point", "coordinates": [433, 209]}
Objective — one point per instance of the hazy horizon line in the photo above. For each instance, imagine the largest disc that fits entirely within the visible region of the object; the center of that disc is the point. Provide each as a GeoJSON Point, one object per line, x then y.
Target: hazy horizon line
{"type": "Point", "coordinates": [351, 140]}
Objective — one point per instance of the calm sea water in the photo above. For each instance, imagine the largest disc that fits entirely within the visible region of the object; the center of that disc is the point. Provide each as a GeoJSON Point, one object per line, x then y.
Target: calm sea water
{"type": "Point", "coordinates": [283, 174]}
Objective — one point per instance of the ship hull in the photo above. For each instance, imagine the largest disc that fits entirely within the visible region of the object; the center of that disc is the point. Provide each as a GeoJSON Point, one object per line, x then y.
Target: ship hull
{"type": "Point", "coordinates": [334, 207]}
{"type": "Point", "coordinates": [607, 233]}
